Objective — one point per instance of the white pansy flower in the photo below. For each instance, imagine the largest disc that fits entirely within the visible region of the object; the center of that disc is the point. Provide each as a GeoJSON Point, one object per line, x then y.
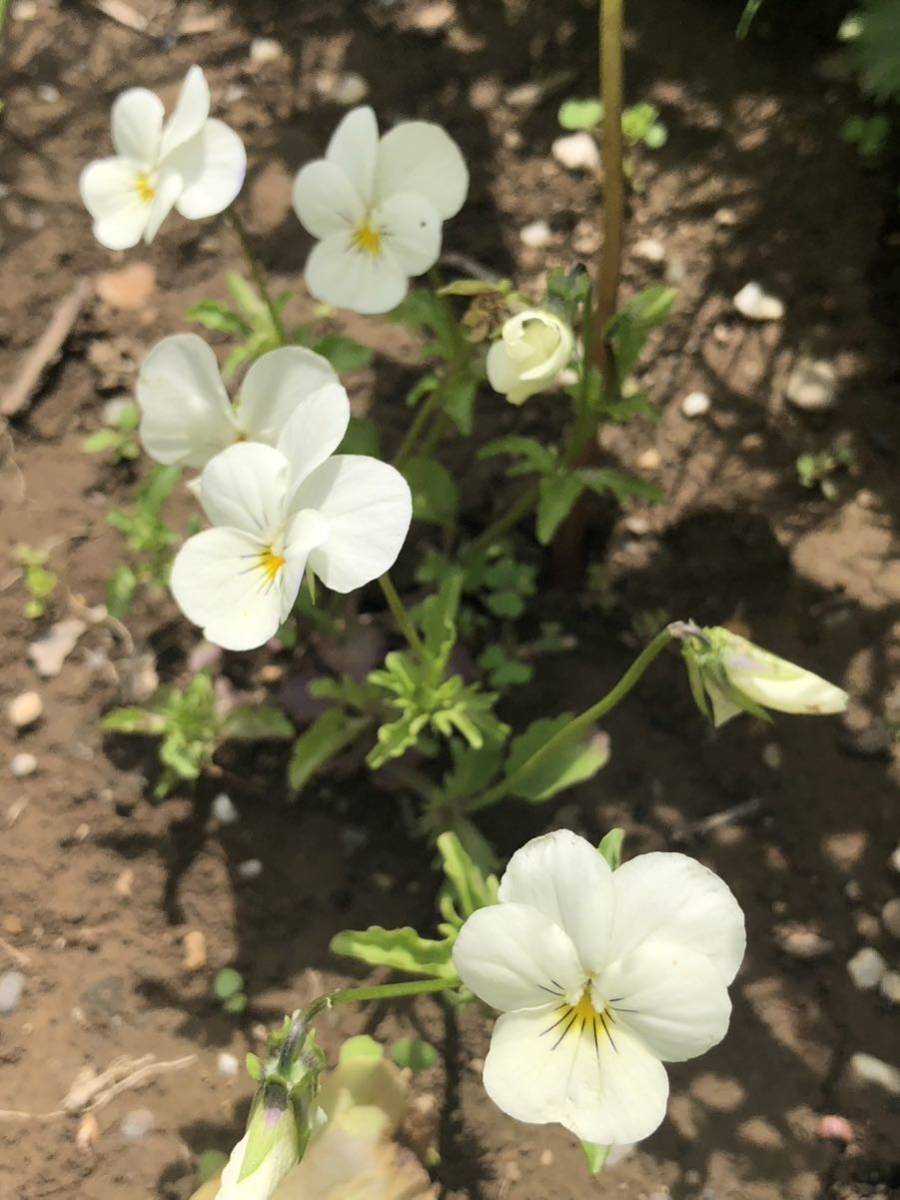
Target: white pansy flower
{"type": "Point", "coordinates": [377, 205]}
{"type": "Point", "coordinates": [191, 161]}
{"type": "Point", "coordinates": [533, 347]}
{"type": "Point", "coordinates": [271, 1140]}
{"type": "Point", "coordinates": [186, 416]}
{"type": "Point", "coordinates": [276, 511]}
{"type": "Point", "coordinates": [738, 676]}
{"type": "Point", "coordinates": [601, 977]}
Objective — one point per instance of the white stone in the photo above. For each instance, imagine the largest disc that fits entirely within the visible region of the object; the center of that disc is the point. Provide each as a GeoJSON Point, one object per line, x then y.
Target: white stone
{"type": "Point", "coordinates": [22, 765]}
{"type": "Point", "coordinates": [868, 1069]}
{"type": "Point", "coordinates": [112, 410]}
{"type": "Point", "coordinates": [890, 917]}
{"type": "Point", "coordinates": [350, 89]}
{"type": "Point", "coordinates": [23, 710]}
{"type": "Point", "coordinates": [651, 250]}
{"type": "Point", "coordinates": [224, 810]}
{"type": "Point", "coordinates": [890, 986]}
{"type": "Point", "coordinates": [895, 860]}
{"type": "Point", "coordinates": [757, 305]}
{"type": "Point", "coordinates": [812, 385]}
{"type": "Point", "coordinates": [577, 152]}
{"type": "Point", "coordinates": [228, 1065]}
{"type": "Point", "coordinates": [536, 234]}
{"type": "Point", "coordinates": [47, 93]}
{"type": "Point", "coordinates": [50, 652]}
{"type": "Point", "coordinates": [25, 10]}
{"type": "Point", "coordinates": [251, 868]}
{"type": "Point", "coordinates": [695, 405]}
{"type": "Point", "coordinates": [867, 968]}
{"type": "Point", "coordinates": [771, 755]}
{"type": "Point", "coordinates": [137, 1124]}
{"type": "Point", "coordinates": [265, 50]}
{"type": "Point", "coordinates": [12, 984]}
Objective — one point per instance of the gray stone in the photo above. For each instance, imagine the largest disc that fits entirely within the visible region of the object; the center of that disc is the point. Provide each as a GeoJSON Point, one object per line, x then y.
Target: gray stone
{"type": "Point", "coordinates": [867, 967]}
{"type": "Point", "coordinates": [137, 1124]}
{"type": "Point", "coordinates": [224, 810]}
{"type": "Point", "coordinates": [535, 235]}
{"type": "Point", "coordinates": [866, 1068]}
{"type": "Point", "coordinates": [12, 984]}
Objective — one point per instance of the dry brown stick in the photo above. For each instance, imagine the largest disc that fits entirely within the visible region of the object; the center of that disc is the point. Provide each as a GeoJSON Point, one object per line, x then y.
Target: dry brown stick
{"type": "Point", "coordinates": [17, 956]}
{"type": "Point", "coordinates": [123, 14]}
{"type": "Point", "coordinates": [46, 349]}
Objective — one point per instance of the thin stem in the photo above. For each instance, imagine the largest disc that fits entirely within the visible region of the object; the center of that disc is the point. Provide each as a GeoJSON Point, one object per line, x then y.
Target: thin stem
{"type": "Point", "coordinates": [259, 275]}
{"type": "Point", "coordinates": [579, 725]}
{"type": "Point", "coordinates": [383, 991]}
{"type": "Point", "coordinates": [609, 267]}
{"type": "Point", "coordinates": [511, 517]}
{"type": "Point", "coordinates": [422, 417]}
{"type": "Point", "coordinates": [401, 616]}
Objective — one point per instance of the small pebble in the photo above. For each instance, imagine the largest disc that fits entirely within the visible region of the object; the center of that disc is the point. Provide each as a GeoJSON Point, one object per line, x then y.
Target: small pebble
{"type": "Point", "coordinates": [47, 93]}
{"type": "Point", "coordinates": [726, 217]}
{"type": "Point", "coordinates": [265, 50]}
{"type": "Point", "coordinates": [224, 811]}
{"type": "Point", "coordinates": [890, 986]}
{"type": "Point", "coordinates": [434, 17]}
{"type": "Point", "coordinates": [251, 868]}
{"type": "Point", "coordinates": [799, 941]}
{"type": "Point", "coordinates": [547, 1158]}
{"type": "Point", "coordinates": [835, 1129]}
{"type": "Point", "coordinates": [22, 765]}
{"type": "Point", "coordinates": [895, 860]}
{"type": "Point", "coordinates": [755, 304]}
{"type": "Point", "coordinates": [867, 968]}
{"type": "Point", "coordinates": [577, 152]}
{"type": "Point", "coordinates": [228, 1065]}
{"type": "Point", "coordinates": [536, 235]}
{"type": "Point", "coordinates": [771, 756]}
{"type": "Point", "coordinates": [137, 1124]}
{"type": "Point", "coordinates": [695, 405]}
{"type": "Point", "coordinates": [866, 1068]}
{"type": "Point", "coordinates": [350, 89]}
{"type": "Point", "coordinates": [23, 710]}
{"type": "Point", "coordinates": [649, 459]}
{"type": "Point", "coordinates": [812, 385]}
{"type": "Point", "coordinates": [890, 917]}
{"type": "Point", "coordinates": [651, 250]}
{"type": "Point", "coordinates": [194, 950]}
{"type": "Point", "coordinates": [12, 984]}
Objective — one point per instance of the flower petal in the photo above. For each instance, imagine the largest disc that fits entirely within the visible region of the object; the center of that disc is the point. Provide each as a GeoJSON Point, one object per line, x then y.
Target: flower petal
{"type": "Point", "coordinates": [137, 118]}
{"type": "Point", "coordinates": [168, 189]}
{"type": "Point", "coordinates": [420, 157]}
{"type": "Point", "coordinates": [325, 200]}
{"type": "Point", "coordinates": [411, 227]}
{"type": "Point", "coordinates": [190, 111]}
{"type": "Point", "coordinates": [512, 957]}
{"type": "Point", "coordinates": [671, 997]}
{"type": "Point", "coordinates": [245, 487]}
{"type": "Point", "coordinates": [368, 506]}
{"type": "Point", "coordinates": [185, 413]}
{"type": "Point", "coordinates": [219, 583]}
{"type": "Point", "coordinates": [563, 876]}
{"type": "Point", "coordinates": [110, 190]}
{"type": "Point", "coordinates": [675, 899]}
{"type": "Point", "coordinates": [353, 148]}
{"type": "Point", "coordinates": [213, 164]}
{"type": "Point", "coordinates": [306, 530]}
{"type": "Point", "coordinates": [604, 1091]}
{"type": "Point", "coordinates": [347, 277]}
{"type": "Point", "coordinates": [503, 375]}
{"type": "Point", "coordinates": [315, 431]}
{"type": "Point", "coordinates": [274, 387]}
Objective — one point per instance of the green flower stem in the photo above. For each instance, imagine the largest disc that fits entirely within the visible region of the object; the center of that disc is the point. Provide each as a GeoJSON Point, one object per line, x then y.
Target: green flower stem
{"type": "Point", "coordinates": [425, 411]}
{"type": "Point", "coordinates": [580, 724]}
{"type": "Point", "coordinates": [383, 991]}
{"type": "Point", "coordinates": [401, 616]}
{"type": "Point", "coordinates": [256, 270]}
{"type": "Point", "coordinates": [503, 524]}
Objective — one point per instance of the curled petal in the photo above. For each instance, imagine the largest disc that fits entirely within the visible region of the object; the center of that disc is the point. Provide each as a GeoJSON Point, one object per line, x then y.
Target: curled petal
{"type": "Point", "coordinates": [420, 157]}
{"type": "Point", "coordinates": [137, 118]}
{"type": "Point", "coordinates": [274, 387]}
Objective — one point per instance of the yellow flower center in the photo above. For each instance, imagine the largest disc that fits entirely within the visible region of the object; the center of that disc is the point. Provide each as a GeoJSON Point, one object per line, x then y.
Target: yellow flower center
{"type": "Point", "coordinates": [270, 564]}
{"type": "Point", "coordinates": [145, 189]}
{"type": "Point", "coordinates": [367, 239]}
{"type": "Point", "coordinates": [579, 1018]}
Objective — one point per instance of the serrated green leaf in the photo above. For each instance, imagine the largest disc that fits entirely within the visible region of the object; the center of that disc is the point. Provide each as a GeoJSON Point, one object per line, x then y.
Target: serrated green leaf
{"type": "Point", "coordinates": [394, 739]}
{"type": "Point", "coordinates": [259, 722]}
{"type": "Point", "coordinates": [571, 763]}
{"type": "Point", "coordinates": [556, 498]}
{"type": "Point", "coordinates": [438, 620]}
{"type": "Point", "coordinates": [399, 949]}
{"type": "Point", "coordinates": [328, 735]}
{"type": "Point", "coordinates": [533, 454]}
{"type": "Point", "coordinates": [621, 484]}
{"type": "Point", "coordinates": [434, 491]}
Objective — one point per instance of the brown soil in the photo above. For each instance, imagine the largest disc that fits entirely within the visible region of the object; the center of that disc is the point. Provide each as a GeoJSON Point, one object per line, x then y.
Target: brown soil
{"type": "Point", "coordinates": [100, 884]}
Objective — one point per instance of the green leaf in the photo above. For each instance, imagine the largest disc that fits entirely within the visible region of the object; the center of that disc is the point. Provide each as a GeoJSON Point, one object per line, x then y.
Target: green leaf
{"type": "Point", "coordinates": [120, 591]}
{"type": "Point", "coordinates": [475, 287]}
{"type": "Point", "coordinates": [556, 499]}
{"type": "Point", "coordinates": [458, 401]}
{"type": "Point", "coordinates": [399, 949]}
{"type": "Point", "coordinates": [102, 440]}
{"type": "Point", "coordinates": [422, 388]}
{"type": "Point", "coordinates": [611, 847]}
{"type": "Point", "coordinates": [507, 605]}
{"type": "Point", "coordinates": [434, 491]}
{"type": "Point", "coordinates": [327, 736]}
{"type": "Point", "coordinates": [362, 437]}
{"type": "Point", "coordinates": [210, 1164]}
{"type": "Point", "coordinates": [416, 1055]}
{"type": "Point", "coordinates": [574, 761]}
{"type": "Point", "coordinates": [235, 1004]}
{"type": "Point", "coordinates": [244, 296]}
{"type": "Point", "coordinates": [656, 136]}
{"type": "Point", "coordinates": [622, 485]}
{"type": "Point", "coordinates": [631, 325]}
{"type": "Point", "coordinates": [533, 454]}
{"type": "Point", "coordinates": [502, 670]}
{"type": "Point", "coordinates": [472, 770]}
{"type": "Point", "coordinates": [257, 723]}
{"type": "Point", "coordinates": [394, 739]}
{"type": "Point", "coordinates": [215, 316]}
{"type": "Point", "coordinates": [468, 886]}
{"type": "Point", "coordinates": [227, 983]}
{"type": "Point", "coordinates": [438, 620]}
{"type": "Point", "coordinates": [254, 1067]}
{"type": "Point", "coordinates": [596, 1156]}
{"type": "Point", "coordinates": [133, 720]}
{"type": "Point", "coordinates": [580, 114]}
{"type": "Point", "coordinates": [344, 353]}
{"type": "Point", "coordinates": [361, 1048]}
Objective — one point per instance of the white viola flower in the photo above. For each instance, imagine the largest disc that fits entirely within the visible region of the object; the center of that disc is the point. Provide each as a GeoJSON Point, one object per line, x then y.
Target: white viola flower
{"type": "Point", "coordinates": [186, 416]}
{"type": "Point", "coordinates": [191, 161]}
{"type": "Point", "coordinates": [737, 676]}
{"type": "Point", "coordinates": [601, 977]}
{"type": "Point", "coordinates": [278, 510]}
{"type": "Point", "coordinates": [262, 1158]}
{"type": "Point", "coordinates": [533, 347]}
{"type": "Point", "coordinates": [377, 205]}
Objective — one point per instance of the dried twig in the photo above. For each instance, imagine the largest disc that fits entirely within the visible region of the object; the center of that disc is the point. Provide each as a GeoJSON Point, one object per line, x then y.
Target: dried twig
{"type": "Point", "coordinates": [123, 14]}
{"type": "Point", "coordinates": [728, 816]}
{"type": "Point", "coordinates": [46, 349]}
{"type": "Point", "coordinates": [18, 956]}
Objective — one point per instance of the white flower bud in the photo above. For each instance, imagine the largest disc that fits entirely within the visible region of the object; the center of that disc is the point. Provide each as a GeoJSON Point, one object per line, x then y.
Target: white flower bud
{"type": "Point", "coordinates": [534, 346]}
